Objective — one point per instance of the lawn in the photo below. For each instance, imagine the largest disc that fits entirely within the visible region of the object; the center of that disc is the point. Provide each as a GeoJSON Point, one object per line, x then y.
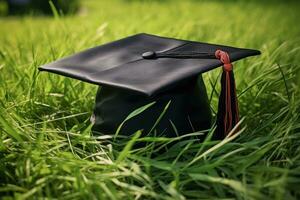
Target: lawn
{"type": "Point", "coordinates": [48, 151]}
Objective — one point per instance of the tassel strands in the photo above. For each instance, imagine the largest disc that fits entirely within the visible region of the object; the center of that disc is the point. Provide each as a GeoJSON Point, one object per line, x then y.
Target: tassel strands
{"type": "Point", "coordinates": [228, 111]}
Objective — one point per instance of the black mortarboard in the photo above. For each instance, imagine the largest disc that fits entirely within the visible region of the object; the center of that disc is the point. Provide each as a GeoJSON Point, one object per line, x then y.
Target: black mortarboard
{"type": "Point", "coordinates": [143, 68]}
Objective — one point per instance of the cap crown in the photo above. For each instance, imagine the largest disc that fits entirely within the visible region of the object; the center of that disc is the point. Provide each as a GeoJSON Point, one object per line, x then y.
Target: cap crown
{"type": "Point", "coordinates": [121, 64]}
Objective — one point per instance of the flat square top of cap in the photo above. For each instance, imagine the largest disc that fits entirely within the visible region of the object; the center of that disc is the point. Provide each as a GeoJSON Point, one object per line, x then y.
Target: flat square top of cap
{"type": "Point", "coordinates": [124, 63]}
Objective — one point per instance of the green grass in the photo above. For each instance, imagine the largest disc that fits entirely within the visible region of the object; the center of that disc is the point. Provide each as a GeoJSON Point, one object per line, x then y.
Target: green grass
{"type": "Point", "coordinates": [47, 149]}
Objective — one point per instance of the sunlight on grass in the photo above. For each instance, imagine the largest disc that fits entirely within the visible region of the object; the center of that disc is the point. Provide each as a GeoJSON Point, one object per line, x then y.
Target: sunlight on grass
{"type": "Point", "coordinates": [47, 149]}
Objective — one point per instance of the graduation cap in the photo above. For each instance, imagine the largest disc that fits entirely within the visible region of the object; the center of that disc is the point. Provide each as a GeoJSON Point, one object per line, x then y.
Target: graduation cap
{"type": "Point", "coordinates": [144, 68]}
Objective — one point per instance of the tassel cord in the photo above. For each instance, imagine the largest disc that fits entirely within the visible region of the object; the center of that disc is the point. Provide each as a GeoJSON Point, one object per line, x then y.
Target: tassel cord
{"type": "Point", "coordinates": [228, 112]}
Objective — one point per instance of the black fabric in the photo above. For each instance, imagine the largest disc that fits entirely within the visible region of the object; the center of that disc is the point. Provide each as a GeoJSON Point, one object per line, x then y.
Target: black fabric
{"type": "Point", "coordinates": [120, 64]}
{"type": "Point", "coordinates": [143, 68]}
{"type": "Point", "coordinates": [189, 110]}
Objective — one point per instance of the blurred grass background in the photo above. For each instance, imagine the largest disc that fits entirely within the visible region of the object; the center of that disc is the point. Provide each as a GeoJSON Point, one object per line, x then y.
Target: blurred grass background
{"type": "Point", "coordinates": [47, 149]}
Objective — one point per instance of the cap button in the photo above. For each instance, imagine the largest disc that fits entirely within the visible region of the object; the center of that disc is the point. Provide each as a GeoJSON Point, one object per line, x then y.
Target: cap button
{"type": "Point", "coordinates": [149, 54]}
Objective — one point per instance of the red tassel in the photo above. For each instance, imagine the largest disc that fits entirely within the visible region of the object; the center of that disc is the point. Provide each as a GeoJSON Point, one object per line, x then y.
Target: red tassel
{"type": "Point", "coordinates": [228, 111]}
